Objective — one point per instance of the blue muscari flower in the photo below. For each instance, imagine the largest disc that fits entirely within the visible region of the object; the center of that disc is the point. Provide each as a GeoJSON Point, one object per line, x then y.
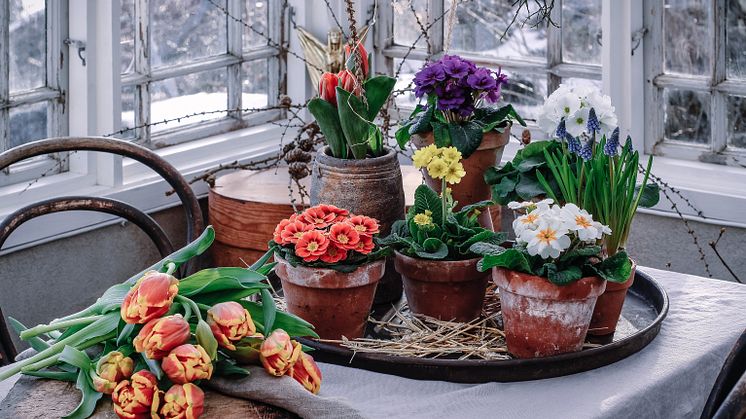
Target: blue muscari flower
{"type": "Point", "coordinates": [612, 143]}
{"type": "Point", "coordinates": [561, 131]}
{"type": "Point", "coordinates": [628, 145]}
{"type": "Point", "coordinates": [573, 144]}
{"type": "Point", "coordinates": [586, 152]}
{"type": "Point", "coordinates": [593, 125]}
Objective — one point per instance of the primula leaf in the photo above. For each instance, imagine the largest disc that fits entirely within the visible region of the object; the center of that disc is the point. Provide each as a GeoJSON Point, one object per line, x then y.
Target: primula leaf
{"type": "Point", "coordinates": [402, 136]}
{"type": "Point", "coordinates": [327, 117]}
{"type": "Point", "coordinates": [581, 252]}
{"type": "Point", "coordinates": [477, 205]}
{"type": "Point", "coordinates": [616, 268]}
{"type": "Point", "coordinates": [562, 277]}
{"type": "Point", "coordinates": [269, 311]}
{"type": "Point", "coordinates": [528, 187]}
{"type": "Point", "coordinates": [89, 399]}
{"type": "Point", "coordinates": [441, 134]}
{"type": "Point", "coordinates": [493, 175]}
{"type": "Point", "coordinates": [485, 236]}
{"type": "Point", "coordinates": [536, 149]}
{"type": "Point", "coordinates": [512, 259]}
{"type": "Point", "coordinates": [650, 195]}
{"type": "Point", "coordinates": [466, 137]}
{"type": "Point", "coordinates": [219, 279]}
{"type": "Point", "coordinates": [503, 189]}
{"type": "Point", "coordinates": [427, 199]}
{"type": "Point", "coordinates": [531, 163]}
{"type": "Point", "coordinates": [377, 91]}
{"type": "Point", "coordinates": [484, 249]}
{"type": "Point", "coordinates": [292, 324]}
{"type": "Point", "coordinates": [421, 122]}
{"type": "Point", "coordinates": [433, 249]}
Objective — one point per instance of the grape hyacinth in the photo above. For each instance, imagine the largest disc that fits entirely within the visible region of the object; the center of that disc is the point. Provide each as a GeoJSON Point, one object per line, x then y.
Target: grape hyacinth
{"type": "Point", "coordinates": [458, 86]}
{"type": "Point", "coordinates": [573, 144]}
{"type": "Point", "coordinates": [612, 144]}
{"type": "Point", "coordinates": [593, 125]}
{"type": "Point", "coordinates": [561, 131]}
{"type": "Point", "coordinates": [628, 145]}
{"type": "Point", "coordinates": [586, 152]}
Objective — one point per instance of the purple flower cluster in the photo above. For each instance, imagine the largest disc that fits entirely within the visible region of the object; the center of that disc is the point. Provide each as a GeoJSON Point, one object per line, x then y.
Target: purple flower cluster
{"type": "Point", "coordinates": [458, 84]}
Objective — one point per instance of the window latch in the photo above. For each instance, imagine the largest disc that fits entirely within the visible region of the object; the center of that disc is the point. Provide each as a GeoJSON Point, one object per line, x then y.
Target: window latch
{"type": "Point", "coordinates": [77, 44]}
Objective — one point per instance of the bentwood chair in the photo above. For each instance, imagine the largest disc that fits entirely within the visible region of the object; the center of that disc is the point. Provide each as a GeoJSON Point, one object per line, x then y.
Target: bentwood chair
{"type": "Point", "coordinates": [727, 399]}
{"type": "Point", "coordinates": [145, 156]}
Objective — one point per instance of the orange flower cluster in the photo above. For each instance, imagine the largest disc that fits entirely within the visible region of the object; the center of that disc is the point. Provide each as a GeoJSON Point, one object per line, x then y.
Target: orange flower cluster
{"type": "Point", "coordinates": [281, 355]}
{"type": "Point", "coordinates": [345, 79]}
{"type": "Point", "coordinates": [326, 233]}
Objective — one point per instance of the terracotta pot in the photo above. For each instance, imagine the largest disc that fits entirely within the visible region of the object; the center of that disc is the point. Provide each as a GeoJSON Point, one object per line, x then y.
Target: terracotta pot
{"type": "Point", "coordinates": [544, 319]}
{"type": "Point", "coordinates": [472, 187]}
{"type": "Point", "coordinates": [446, 290]}
{"type": "Point", "coordinates": [609, 306]}
{"type": "Point", "coordinates": [371, 187]}
{"type": "Point", "coordinates": [336, 303]}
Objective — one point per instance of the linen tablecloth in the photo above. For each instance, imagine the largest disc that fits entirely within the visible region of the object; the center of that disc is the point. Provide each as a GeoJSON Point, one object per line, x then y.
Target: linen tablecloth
{"type": "Point", "coordinates": [670, 378]}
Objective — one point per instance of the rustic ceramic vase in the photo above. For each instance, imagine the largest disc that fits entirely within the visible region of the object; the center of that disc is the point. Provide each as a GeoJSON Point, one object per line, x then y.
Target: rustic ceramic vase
{"type": "Point", "coordinates": [371, 187]}
{"type": "Point", "coordinates": [336, 303]}
{"type": "Point", "coordinates": [446, 290]}
{"type": "Point", "coordinates": [472, 187]}
{"type": "Point", "coordinates": [609, 306]}
{"type": "Point", "coordinates": [543, 319]}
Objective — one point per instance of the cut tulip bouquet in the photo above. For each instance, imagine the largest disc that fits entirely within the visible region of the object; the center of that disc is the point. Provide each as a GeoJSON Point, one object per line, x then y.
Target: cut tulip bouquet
{"type": "Point", "coordinates": [557, 243]}
{"type": "Point", "coordinates": [155, 332]}
{"type": "Point", "coordinates": [325, 236]}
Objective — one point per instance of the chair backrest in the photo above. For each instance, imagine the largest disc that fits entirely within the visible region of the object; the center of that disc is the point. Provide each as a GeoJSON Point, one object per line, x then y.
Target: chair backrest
{"type": "Point", "coordinates": [728, 396]}
{"type": "Point", "coordinates": [77, 203]}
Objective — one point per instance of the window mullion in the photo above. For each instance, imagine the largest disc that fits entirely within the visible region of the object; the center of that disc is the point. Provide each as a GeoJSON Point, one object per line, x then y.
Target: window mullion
{"type": "Point", "coordinates": [142, 66]}
{"type": "Point", "coordinates": [718, 105]}
{"type": "Point", "coordinates": [437, 30]}
{"type": "Point", "coordinates": [235, 48]}
{"type": "Point", "coordinates": [554, 47]}
{"type": "Point", "coordinates": [4, 75]}
{"type": "Point", "coordinates": [278, 28]}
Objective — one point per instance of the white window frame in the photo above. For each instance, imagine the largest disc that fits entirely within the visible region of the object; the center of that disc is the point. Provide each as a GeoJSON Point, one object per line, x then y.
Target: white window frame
{"type": "Point", "coordinates": [53, 92]}
{"type": "Point", "coordinates": [716, 85]}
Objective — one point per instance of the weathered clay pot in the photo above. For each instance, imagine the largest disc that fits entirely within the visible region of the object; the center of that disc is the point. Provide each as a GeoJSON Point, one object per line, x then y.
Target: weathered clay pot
{"type": "Point", "coordinates": [609, 306]}
{"type": "Point", "coordinates": [446, 290]}
{"type": "Point", "coordinates": [472, 187]}
{"type": "Point", "coordinates": [371, 187]}
{"type": "Point", "coordinates": [336, 303]}
{"type": "Point", "coordinates": [543, 319]}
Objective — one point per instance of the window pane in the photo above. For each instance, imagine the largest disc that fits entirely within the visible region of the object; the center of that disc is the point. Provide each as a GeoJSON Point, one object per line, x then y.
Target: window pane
{"type": "Point", "coordinates": [578, 82]}
{"type": "Point", "coordinates": [687, 116]}
{"type": "Point", "coordinates": [128, 112]}
{"type": "Point", "coordinates": [404, 82]}
{"type": "Point", "coordinates": [127, 36]}
{"type": "Point", "coordinates": [27, 44]}
{"type": "Point", "coordinates": [199, 92]}
{"type": "Point", "coordinates": [737, 121]}
{"type": "Point", "coordinates": [581, 33]}
{"type": "Point", "coordinates": [255, 84]}
{"type": "Point", "coordinates": [406, 15]}
{"type": "Point", "coordinates": [28, 123]}
{"type": "Point", "coordinates": [481, 25]}
{"type": "Point", "coordinates": [184, 30]}
{"type": "Point", "coordinates": [526, 92]}
{"type": "Point", "coordinates": [686, 30]}
{"type": "Point", "coordinates": [736, 39]}
{"type": "Point", "coordinates": [256, 15]}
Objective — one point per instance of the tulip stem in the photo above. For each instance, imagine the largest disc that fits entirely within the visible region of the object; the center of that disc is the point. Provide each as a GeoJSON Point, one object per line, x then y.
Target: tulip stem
{"type": "Point", "coordinates": [195, 308]}
{"type": "Point", "coordinates": [44, 328]}
{"type": "Point", "coordinates": [171, 268]}
{"type": "Point", "coordinates": [55, 358]}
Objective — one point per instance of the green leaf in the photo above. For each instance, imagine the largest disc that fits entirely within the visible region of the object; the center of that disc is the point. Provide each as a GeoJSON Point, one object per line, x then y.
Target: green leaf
{"type": "Point", "coordinates": [528, 187]}
{"type": "Point", "coordinates": [54, 375]}
{"type": "Point", "coordinates": [503, 189]}
{"type": "Point", "coordinates": [75, 358]}
{"type": "Point", "coordinates": [206, 339]}
{"type": "Point", "coordinates": [89, 399]}
{"type": "Point", "coordinates": [581, 252]}
{"type": "Point", "coordinates": [433, 249]}
{"type": "Point", "coordinates": [37, 343]}
{"type": "Point", "coordinates": [493, 175]}
{"type": "Point", "coordinates": [615, 268]}
{"type": "Point", "coordinates": [212, 298]}
{"type": "Point", "coordinates": [183, 255]}
{"type": "Point", "coordinates": [352, 113]}
{"type": "Point", "coordinates": [466, 137]}
{"type": "Point", "coordinates": [327, 117]}
{"type": "Point", "coordinates": [292, 324]}
{"type": "Point", "coordinates": [377, 91]}
{"type": "Point", "coordinates": [563, 277]}
{"type": "Point", "coordinates": [477, 205]}
{"type": "Point", "coordinates": [269, 311]}
{"type": "Point", "coordinates": [421, 122]}
{"type": "Point", "coordinates": [219, 279]}
{"type": "Point", "coordinates": [536, 148]}
{"type": "Point", "coordinates": [402, 136]}
{"type": "Point", "coordinates": [225, 367]}
{"type": "Point", "coordinates": [153, 365]}
{"type": "Point", "coordinates": [125, 333]}
{"type": "Point", "coordinates": [531, 163]}
{"type": "Point", "coordinates": [425, 198]}
{"type": "Point", "coordinates": [512, 259]}
{"type": "Point", "coordinates": [650, 195]}
{"type": "Point", "coordinates": [441, 134]}
{"type": "Point", "coordinates": [484, 249]}
{"type": "Point", "coordinates": [486, 236]}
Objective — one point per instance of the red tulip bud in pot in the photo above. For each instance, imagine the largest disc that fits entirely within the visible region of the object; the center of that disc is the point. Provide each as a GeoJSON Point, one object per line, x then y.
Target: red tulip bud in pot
{"type": "Point", "coordinates": [328, 87]}
{"type": "Point", "coordinates": [351, 63]}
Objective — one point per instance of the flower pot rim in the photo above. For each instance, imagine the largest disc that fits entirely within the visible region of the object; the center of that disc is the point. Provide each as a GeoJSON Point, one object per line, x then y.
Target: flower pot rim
{"type": "Point", "coordinates": [545, 289]}
{"type": "Point", "coordinates": [324, 156]}
{"type": "Point", "coordinates": [282, 260]}
{"type": "Point", "coordinates": [460, 261]}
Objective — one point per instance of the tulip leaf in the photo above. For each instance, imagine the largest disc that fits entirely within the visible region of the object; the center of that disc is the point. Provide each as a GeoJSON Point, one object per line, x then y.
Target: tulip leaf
{"type": "Point", "coordinates": [377, 91]}
{"type": "Point", "coordinates": [269, 310]}
{"type": "Point", "coordinates": [226, 367]}
{"type": "Point", "coordinates": [206, 339]}
{"type": "Point", "coordinates": [212, 298]}
{"type": "Point", "coordinates": [292, 324]}
{"type": "Point", "coordinates": [125, 333]}
{"type": "Point", "coordinates": [152, 365]}
{"type": "Point", "coordinates": [89, 399]}
{"type": "Point", "coordinates": [352, 113]}
{"type": "Point", "coordinates": [75, 358]}
{"type": "Point", "coordinates": [37, 343]}
{"type": "Point", "coordinates": [219, 279]}
{"type": "Point", "coordinates": [54, 375]}
{"type": "Point", "coordinates": [327, 117]}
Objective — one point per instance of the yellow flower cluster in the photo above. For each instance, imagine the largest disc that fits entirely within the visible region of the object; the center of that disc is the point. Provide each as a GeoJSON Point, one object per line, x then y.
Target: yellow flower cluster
{"type": "Point", "coordinates": [424, 220]}
{"type": "Point", "coordinates": [441, 163]}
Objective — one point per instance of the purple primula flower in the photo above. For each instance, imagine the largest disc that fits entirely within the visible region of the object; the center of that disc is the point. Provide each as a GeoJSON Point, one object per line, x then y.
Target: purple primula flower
{"type": "Point", "coordinates": [481, 79]}
{"type": "Point", "coordinates": [612, 144]}
{"type": "Point", "coordinates": [427, 78]}
{"type": "Point", "coordinates": [455, 67]}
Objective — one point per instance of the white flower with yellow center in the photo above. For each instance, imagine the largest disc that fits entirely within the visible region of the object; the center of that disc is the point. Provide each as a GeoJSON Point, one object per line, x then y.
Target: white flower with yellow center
{"type": "Point", "coordinates": [548, 240]}
{"type": "Point", "coordinates": [542, 205]}
{"type": "Point", "coordinates": [528, 221]}
{"type": "Point", "coordinates": [581, 222]}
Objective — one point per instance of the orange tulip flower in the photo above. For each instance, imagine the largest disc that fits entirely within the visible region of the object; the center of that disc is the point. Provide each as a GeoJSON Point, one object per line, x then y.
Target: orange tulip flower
{"type": "Point", "coordinates": [278, 353]}
{"type": "Point", "coordinates": [306, 372]}
{"type": "Point", "coordinates": [150, 298]}
{"type": "Point", "coordinates": [328, 88]}
{"type": "Point", "coordinates": [135, 398]}
{"type": "Point", "coordinates": [230, 322]}
{"type": "Point", "coordinates": [160, 336]}
{"type": "Point", "coordinates": [187, 363]}
{"type": "Point", "coordinates": [183, 401]}
{"type": "Point", "coordinates": [363, 58]}
{"type": "Point", "coordinates": [110, 370]}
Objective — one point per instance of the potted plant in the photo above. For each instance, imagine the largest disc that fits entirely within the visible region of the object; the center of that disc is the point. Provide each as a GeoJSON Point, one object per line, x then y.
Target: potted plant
{"type": "Point", "coordinates": [550, 279]}
{"type": "Point", "coordinates": [457, 114]}
{"type": "Point", "coordinates": [356, 170]}
{"type": "Point", "coordinates": [437, 247]}
{"type": "Point", "coordinates": [329, 266]}
{"type": "Point", "coordinates": [598, 176]}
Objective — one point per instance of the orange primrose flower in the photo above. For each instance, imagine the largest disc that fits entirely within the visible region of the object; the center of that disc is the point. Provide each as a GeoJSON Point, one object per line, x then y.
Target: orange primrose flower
{"type": "Point", "coordinates": [365, 226]}
{"type": "Point", "coordinates": [318, 216]}
{"type": "Point", "coordinates": [365, 245]}
{"type": "Point", "coordinates": [293, 232]}
{"type": "Point", "coordinates": [311, 246]}
{"type": "Point", "coordinates": [334, 253]}
{"type": "Point", "coordinates": [344, 235]}
{"type": "Point", "coordinates": [340, 213]}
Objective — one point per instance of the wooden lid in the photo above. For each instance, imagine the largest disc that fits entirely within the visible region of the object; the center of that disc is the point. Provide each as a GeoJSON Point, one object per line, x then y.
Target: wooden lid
{"type": "Point", "coordinates": [267, 186]}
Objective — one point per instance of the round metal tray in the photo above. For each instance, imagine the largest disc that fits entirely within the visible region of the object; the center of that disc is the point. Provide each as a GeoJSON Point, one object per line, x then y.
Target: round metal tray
{"type": "Point", "coordinates": [644, 310]}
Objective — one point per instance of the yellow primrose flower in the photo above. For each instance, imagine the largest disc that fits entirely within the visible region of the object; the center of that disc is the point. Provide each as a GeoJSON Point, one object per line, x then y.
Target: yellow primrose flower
{"type": "Point", "coordinates": [423, 220]}
{"type": "Point", "coordinates": [437, 168]}
{"type": "Point", "coordinates": [454, 172]}
{"type": "Point", "coordinates": [428, 213]}
{"type": "Point", "coordinates": [451, 154]}
{"type": "Point", "coordinates": [422, 157]}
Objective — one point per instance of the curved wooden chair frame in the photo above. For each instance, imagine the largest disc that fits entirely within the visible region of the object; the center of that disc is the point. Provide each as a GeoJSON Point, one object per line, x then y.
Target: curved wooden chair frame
{"type": "Point", "coordinates": [728, 396]}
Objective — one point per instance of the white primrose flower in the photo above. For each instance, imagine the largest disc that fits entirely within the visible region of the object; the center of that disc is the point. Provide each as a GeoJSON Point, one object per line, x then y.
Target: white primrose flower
{"type": "Point", "coordinates": [530, 205]}
{"type": "Point", "coordinates": [581, 222]}
{"type": "Point", "coordinates": [577, 123]}
{"type": "Point", "coordinates": [573, 104]}
{"type": "Point", "coordinates": [548, 240]}
{"type": "Point", "coordinates": [525, 222]}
